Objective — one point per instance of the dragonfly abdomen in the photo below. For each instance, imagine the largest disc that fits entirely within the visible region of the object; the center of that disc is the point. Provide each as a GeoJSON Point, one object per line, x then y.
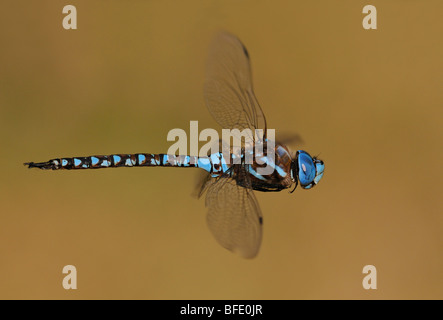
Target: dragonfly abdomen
{"type": "Point", "coordinates": [117, 160]}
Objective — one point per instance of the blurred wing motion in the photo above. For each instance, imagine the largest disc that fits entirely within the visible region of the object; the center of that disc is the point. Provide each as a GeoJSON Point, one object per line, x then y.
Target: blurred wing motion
{"type": "Point", "coordinates": [228, 88]}
{"type": "Point", "coordinates": [234, 216]}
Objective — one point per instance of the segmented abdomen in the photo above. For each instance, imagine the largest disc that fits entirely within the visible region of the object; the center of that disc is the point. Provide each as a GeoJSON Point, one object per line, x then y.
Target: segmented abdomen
{"type": "Point", "coordinates": [117, 160]}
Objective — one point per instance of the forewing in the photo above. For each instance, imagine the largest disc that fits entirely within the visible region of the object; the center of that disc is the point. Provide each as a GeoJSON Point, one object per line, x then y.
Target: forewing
{"type": "Point", "coordinates": [228, 88]}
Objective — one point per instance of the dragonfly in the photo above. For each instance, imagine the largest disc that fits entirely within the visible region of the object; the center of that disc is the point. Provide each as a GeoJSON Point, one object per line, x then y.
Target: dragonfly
{"type": "Point", "coordinates": [233, 216]}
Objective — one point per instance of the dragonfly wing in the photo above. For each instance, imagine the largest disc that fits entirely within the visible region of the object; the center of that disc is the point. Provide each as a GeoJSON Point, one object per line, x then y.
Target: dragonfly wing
{"type": "Point", "coordinates": [228, 90]}
{"type": "Point", "coordinates": [234, 216]}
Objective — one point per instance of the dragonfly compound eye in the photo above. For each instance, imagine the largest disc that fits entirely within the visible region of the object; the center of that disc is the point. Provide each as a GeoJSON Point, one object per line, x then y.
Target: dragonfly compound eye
{"type": "Point", "coordinates": [306, 169]}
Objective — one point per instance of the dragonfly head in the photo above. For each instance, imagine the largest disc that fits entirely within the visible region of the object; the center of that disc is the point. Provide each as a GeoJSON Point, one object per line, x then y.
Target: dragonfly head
{"type": "Point", "coordinates": [308, 170]}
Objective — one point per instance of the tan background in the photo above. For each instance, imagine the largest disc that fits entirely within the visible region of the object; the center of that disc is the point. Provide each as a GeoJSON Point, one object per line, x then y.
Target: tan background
{"type": "Point", "coordinates": [369, 102]}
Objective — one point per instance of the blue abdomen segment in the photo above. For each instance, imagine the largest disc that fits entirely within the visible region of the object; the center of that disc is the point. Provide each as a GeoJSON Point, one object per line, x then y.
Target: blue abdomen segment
{"type": "Point", "coordinates": [214, 164]}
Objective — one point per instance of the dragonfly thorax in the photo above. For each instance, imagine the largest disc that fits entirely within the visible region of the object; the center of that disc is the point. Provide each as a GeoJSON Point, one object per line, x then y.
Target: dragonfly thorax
{"type": "Point", "coordinates": [276, 179]}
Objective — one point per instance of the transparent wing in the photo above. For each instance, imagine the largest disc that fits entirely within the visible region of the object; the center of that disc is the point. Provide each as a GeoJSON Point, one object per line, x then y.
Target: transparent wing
{"type": "Point", "coordinates": [228, 90]}
{"type": "Point", "coordinates": [234, 216]}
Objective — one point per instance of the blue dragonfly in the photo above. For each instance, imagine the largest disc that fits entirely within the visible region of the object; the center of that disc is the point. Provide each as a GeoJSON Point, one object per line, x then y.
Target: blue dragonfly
{"type": "Point", "coordinates": [234, 216]}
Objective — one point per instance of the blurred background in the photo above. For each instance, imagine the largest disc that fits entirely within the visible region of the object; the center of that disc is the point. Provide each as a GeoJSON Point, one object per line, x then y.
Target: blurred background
{"type": "Point", "coordinates": [368, 102]}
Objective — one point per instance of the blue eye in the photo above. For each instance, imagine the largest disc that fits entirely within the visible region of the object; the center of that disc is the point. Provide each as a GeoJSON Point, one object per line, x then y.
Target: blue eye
{"type": "Point", "coordinates": [306, 168]}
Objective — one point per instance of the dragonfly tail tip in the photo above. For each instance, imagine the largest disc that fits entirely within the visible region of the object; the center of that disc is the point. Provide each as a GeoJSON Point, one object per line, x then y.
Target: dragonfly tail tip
{"type": "Point", "coordinates": [40, 165]}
